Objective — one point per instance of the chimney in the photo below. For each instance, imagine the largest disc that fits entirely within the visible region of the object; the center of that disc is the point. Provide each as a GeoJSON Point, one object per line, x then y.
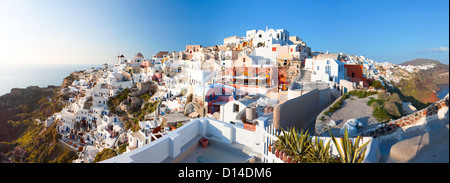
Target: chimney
{"type": "Point", "coordinates": [250, 113]}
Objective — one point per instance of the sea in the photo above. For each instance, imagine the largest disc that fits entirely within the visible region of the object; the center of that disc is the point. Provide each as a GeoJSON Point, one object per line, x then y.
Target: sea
{"type": "Point", "coordinates": [22, 76]}
{"type": "Point", "coordinates": [443, 92]}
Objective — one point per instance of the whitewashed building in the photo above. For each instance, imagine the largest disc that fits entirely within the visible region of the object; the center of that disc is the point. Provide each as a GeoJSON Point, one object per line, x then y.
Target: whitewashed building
{"type": "Point", "coordinates": [329, 68]}
{"type": "Point", "coordinates": [268, 37]}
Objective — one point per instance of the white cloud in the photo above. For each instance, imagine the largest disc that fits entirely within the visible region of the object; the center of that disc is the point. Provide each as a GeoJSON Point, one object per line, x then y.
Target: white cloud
{"type": "Point", "coordinates": [440, 49]}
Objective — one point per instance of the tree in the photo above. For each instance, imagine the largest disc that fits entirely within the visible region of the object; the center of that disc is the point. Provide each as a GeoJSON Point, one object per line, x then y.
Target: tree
{"type": "Point", "coordinates": [377, 84]}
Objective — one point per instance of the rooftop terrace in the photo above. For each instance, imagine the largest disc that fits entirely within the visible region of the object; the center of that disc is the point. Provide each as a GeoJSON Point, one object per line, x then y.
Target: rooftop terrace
{"type": "Point", "coordinates": [228, 144]}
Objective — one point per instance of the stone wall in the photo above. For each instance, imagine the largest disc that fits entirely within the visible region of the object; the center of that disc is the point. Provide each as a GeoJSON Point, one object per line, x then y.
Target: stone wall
{"type": "Point", "coordinates": [298, 112]}
{"type": "Point", "coordinates": [409, 120]}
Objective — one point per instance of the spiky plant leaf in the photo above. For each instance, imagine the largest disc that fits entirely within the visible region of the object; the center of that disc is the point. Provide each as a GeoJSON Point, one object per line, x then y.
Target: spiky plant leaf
{"type": "Point", "coordinates": [338, 147]}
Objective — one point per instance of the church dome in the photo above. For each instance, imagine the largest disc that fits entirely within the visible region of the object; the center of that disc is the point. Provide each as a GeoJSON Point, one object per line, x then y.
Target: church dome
{"type": "Point", "coordinates": [139, 55]}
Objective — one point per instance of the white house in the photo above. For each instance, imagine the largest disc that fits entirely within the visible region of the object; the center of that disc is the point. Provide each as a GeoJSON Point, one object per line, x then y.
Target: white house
{"type": "Point", "coordinates": [198, 77]}
{"type": "Point", "coordinates": [230, 111]}
{"type": "Point", "coordinates": [99, 101]}
{"type": "Point", "coordinates": [266, 38]}
{"type": "Point", "coordinates": [327, 69]}
{"type": "Point", "coordinates": [143, 136]}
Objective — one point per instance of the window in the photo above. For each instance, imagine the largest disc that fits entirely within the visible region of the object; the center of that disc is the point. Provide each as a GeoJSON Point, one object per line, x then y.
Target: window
{"type": "Point", "coordinates": [260, 36]}
{"type": "Point", "coordinates": [317, 67]}
{"type": "Point", "coordinates": [235, 108]}
{"type": "Point", "coordinates": [292, 49]}
{"type": "Point", "coordinates": [274, 48]}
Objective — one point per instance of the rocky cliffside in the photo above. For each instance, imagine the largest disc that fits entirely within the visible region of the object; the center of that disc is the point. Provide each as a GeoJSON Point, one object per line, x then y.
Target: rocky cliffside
{"type": "Point", "coordinates": [420, 87]}
{"type": "Point", "coordinates": [69, 79]}
{"type": "Point", "coordinates": [430, 78]}
{"type": "Point", "coordinates": [21, 136]}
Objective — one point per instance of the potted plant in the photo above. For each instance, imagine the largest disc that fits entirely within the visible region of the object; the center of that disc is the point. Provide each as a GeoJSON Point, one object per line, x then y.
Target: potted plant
{"type": "Point", "coordinates": [281, 155]}
{"type": "Point", "coordinates": [288, 159]}
{"type": "Point", "coordinates": [277, 153]}
{"type": "Point", "coordinates": [295, 159]}
{"type": "Point", "coordinates": [204, 142]}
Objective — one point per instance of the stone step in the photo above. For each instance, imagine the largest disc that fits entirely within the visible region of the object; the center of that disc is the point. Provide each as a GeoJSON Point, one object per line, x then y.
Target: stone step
{"type": "Point", "coordinates": [422, 147]}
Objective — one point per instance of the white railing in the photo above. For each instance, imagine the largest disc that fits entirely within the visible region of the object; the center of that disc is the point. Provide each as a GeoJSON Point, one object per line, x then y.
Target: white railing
{"type": "Point", "coordinates": [270, 136]}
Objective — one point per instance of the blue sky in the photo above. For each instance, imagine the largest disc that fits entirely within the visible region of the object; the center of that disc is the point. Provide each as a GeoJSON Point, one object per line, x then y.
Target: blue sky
{"type": "Point", "coordinates": [93, 31]}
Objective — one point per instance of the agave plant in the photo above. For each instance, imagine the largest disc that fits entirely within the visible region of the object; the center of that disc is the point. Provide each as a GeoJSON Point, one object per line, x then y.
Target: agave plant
{"type": "Point", "coordinates": [283, 143]}
{"type": "Point", "coordinates": [350, 152]}
{"type": "Point", "coordinates": [295, 145]}
{"type": "Point", "coordinates": [302, 144]}
{"type": "Point", "coordinates": [320, 153]}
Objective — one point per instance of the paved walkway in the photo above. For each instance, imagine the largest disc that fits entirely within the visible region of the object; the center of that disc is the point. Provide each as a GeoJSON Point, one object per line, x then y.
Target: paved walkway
{"type": "Point", "coordinates": [420, 145]}
{"type": "Point", "coordinates": [354, 108]}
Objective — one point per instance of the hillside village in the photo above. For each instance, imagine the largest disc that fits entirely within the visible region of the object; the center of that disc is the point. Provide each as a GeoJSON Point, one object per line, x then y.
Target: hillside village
{"type": "Point", "coordinates": [234, 93]}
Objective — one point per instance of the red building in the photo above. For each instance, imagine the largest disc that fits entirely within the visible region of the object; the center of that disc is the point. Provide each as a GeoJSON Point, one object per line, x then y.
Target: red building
{"type": "Point", "coordinates": [355, 73]}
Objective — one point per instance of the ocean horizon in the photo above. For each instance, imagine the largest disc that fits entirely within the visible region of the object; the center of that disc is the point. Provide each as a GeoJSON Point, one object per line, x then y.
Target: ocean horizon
{"type": "Point", "coordinates": [22, 76]}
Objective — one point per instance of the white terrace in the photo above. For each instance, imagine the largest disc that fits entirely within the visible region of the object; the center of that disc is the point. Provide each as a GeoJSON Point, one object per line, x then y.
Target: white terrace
{"type": "Point", "coordinates": [228, 144]}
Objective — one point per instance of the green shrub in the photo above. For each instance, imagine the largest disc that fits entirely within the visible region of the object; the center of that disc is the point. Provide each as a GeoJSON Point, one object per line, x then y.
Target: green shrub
{"type": "Point", "coordinates": [123, 148]}
{"type": "Point", "coordinates": [67, 157]}
{"type": "Point", "coordinates": [145, 96]}
{"type": "Point", "coordinates": [361, 93]}
{"type": "Point", "coordinates": [386, 107]}
{"type": "Point", "coordinates": [104, 154]}
{"type": "Point", "coordinates": [179, 124]}
{"type": "Point", "coordinates": [377, 84]}
{"type": "Point", "coordinates": [392, 110]}
{"type": "Point", "coordinates": [373, 101]}
{"type": "Point", "coordinates": [380, 114]}
{"type": "Point", "coordinates": [395, 98]}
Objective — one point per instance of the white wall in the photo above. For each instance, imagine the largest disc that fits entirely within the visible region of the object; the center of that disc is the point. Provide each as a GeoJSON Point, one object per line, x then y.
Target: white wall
{"type": "Point", "coordinates": [99, 101]}
{"type": "Point", "coordinates": [223, 131]}
{"type": "Point", "coordinates": [228, 114]}
{"type": "Point", "coordinates": [170, 144]}
{"type": "Point", "coordinates": [308, 64]}
{"type": "Point", "coordinates": [269, 37]}
{"type": "Point", "coordinates": [336, 70]}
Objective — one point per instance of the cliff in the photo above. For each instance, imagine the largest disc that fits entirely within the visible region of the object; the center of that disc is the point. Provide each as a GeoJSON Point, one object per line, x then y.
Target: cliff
{"type": "Point", "coordinates": [21, 137]}
{"type": "Point", "coordinates": [421, 86]}
{"type": "Point", "coordinates": [69, 79]}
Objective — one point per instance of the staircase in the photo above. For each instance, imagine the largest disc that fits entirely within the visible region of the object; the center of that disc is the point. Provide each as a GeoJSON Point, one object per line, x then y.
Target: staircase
{"type": "Point", "coordinates": [305, 76]}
